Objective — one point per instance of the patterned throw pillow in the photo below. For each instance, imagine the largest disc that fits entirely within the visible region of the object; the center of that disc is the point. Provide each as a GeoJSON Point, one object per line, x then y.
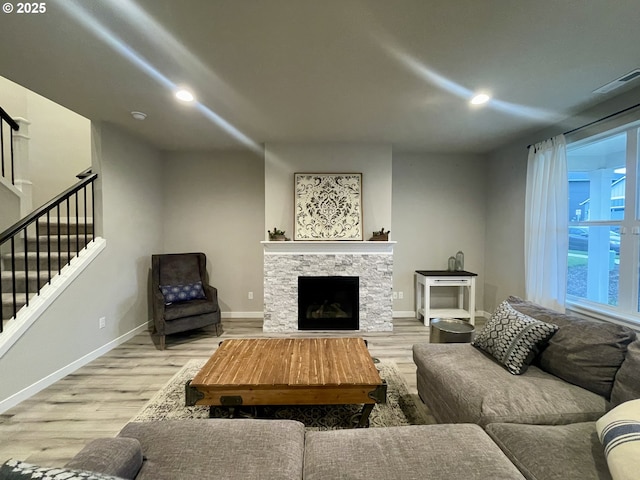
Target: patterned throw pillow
{"type": "Point", "coordinates": [17, 470]}
{"type": "Point", "coordinates": [182, 293]}
{"type": "Point", "coordinates": [513, 338]}
{"type": "Point", "coordinates": [619, 432]}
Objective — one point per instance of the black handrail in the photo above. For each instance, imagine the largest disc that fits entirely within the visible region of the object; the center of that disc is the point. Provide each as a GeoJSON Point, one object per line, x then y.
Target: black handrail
{"type": "Point", "coordinates": [85, 173]}
{"type": "Point", "coordinates": [5, 117]}
{"type": "Point", "coordinates": [44, 213]}
{"type": "Point", "coordinates": [50, 205]}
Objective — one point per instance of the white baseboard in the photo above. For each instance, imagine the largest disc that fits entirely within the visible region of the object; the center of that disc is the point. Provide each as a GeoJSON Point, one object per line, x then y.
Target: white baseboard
{"type": "Point", "coordinates": [49, 380]}
{"type": "Point", "coordinates": [242, 314]}
{"type": "Point", "coordinates": [403, 313]}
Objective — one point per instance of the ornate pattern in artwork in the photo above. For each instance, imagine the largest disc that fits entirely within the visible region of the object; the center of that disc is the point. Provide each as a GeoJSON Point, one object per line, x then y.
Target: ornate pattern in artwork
{"type": "Point", "coordinates": [328, 206]}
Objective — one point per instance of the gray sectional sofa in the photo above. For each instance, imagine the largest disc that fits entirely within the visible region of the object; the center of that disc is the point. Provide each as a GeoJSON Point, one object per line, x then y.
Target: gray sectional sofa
{"type": "Point", "coordinates": [280, 449]}
{"type": "Point", "coordinates": [544, 419]}
{"type": "Point", "coordinates": [586, 368]}
{"type": "Point", "coordinates": [539, 425]}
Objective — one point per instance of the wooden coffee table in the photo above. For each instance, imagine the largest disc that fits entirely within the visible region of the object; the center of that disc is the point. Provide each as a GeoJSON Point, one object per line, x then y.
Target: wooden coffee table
{"type": "Point", "coordinates": [298, 371]}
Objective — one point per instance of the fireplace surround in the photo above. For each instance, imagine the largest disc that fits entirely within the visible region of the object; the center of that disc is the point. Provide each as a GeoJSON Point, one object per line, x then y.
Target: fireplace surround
{"type": "Point", "coordinates": [371, 262]}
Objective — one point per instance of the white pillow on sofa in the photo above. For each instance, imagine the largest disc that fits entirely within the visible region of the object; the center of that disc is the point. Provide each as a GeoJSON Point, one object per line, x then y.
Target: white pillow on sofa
{"type": "Point", "coordinates": [619, 432]}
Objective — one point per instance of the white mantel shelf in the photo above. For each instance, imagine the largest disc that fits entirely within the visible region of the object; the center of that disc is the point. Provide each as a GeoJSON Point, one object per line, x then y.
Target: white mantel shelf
{"type": "Point", "coordinates": [327, 247]}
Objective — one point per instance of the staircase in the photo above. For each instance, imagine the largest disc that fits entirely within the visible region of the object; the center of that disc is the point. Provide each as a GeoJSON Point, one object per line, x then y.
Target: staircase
{"type": "Point", "coordinates": [47, 253]}
{"type": "Point", "coordinates": [36, 248]}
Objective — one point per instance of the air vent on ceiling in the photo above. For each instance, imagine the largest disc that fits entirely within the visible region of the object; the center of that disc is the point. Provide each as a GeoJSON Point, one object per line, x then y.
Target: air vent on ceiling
{"type": "Point", "coordinates": [619, 82]}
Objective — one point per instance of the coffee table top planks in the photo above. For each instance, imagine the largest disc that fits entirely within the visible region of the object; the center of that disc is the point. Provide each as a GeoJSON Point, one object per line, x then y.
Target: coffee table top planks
{"type": "Point", "coordinates": [298, 371]}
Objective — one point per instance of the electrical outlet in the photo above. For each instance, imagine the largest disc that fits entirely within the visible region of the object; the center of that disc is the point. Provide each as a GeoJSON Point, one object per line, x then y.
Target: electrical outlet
{"type": "Point", "coordinates": [395, 295]}
{"type": "Point", "coordinates": [102, 322]}
{"type": "Point", "coordinates": [250, 295]}
{"type": "Point", "coordinates": [400, 295]}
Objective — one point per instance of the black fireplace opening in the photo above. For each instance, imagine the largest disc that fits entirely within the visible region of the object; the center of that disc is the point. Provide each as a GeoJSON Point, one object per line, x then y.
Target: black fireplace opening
{"type": "Point", "coordinates": [328, 303]}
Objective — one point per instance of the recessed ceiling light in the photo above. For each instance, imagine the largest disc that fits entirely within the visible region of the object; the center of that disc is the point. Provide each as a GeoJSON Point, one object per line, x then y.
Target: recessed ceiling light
{"type": "Point", "coordinates": [139, 115]}
{"type": "Point", "coordinates": [184, 95]}
{"type": "Point", "coordinates": [480, 98]}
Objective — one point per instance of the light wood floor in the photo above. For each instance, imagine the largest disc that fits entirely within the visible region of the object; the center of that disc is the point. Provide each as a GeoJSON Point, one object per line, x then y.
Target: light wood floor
{"type": "Point", "coordinates": [100, 398]}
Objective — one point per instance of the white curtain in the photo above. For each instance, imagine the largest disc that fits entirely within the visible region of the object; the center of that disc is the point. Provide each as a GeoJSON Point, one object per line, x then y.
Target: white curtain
{"type": "Point", "coordinates": [546, 224]}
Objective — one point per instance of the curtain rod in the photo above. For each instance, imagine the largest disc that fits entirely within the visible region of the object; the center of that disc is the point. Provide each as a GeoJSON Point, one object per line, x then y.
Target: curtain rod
{"type": "Point", "coordinates": [599, 120]}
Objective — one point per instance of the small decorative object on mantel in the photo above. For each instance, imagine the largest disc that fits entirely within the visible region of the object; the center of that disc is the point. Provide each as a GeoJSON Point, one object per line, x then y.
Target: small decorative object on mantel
{"type": "Point", "coordinates": [277, 235]}
{"type": "Point", "coordinates": [380, 236]}
{"type": "Point", "coordinates": [460, 260]}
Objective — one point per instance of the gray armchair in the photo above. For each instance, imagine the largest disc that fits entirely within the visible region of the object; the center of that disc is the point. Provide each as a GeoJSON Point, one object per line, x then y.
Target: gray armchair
{"type": "Point", "coordinates": [181, 295]}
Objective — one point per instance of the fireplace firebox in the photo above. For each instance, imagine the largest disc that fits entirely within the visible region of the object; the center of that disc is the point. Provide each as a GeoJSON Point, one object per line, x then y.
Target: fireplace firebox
{"type": "Point", "coordinates": [328, 303]}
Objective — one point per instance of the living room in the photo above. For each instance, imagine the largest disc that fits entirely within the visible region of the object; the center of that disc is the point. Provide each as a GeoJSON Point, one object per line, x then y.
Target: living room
{"type": "Point", "coordinates": [223, 201]}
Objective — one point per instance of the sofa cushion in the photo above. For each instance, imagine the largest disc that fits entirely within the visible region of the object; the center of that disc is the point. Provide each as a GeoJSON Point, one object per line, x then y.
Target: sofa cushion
{"type": "Point", "coordinates": [182, 293]}
{"type": "Point", "coordinates": [460, 384]}
{"type": "Point", "coordinates": [627, 383]}
{"type": "Point", "coordinates": [619, 432]}
{"type": "Point", "coordinates": [121, 457]}
{"type": "Point", "coordinates": [179, 268]}
{"type": "Point", "coordinates": [513, 338]}
{"type": "Point", "coordinates": [584, 352]}
{"type": "Point", "coordinates": [553, 452]}
{"type": "Point", "coordinates": [189, 309]}
{"type": "Point", "coordinates": [219, 448]}
{"type": "Point", "coordinates": [17, 470]}
{"type": "Point", "coordinates": [436, 452]}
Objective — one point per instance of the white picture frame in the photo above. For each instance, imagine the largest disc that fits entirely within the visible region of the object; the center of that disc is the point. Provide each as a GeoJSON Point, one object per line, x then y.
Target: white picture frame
{"type": "Point", "coordinates": [328, 206]}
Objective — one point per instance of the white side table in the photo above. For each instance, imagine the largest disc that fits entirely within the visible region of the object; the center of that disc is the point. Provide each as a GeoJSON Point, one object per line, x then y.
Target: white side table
{"type": "Point", "coordinates": [425, 279]}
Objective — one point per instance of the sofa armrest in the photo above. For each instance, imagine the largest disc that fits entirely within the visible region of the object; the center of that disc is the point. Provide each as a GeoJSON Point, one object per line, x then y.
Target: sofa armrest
{"type": "Point", "coordinates": [120, 457]}
{"type": "Point", "coordinates": [158, 310]}
{"type": "Point", "coordinates": [211, 293]}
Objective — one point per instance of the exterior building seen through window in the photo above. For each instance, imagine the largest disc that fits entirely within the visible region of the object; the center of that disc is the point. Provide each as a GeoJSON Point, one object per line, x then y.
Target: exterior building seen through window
{"type": "Point", "coordinates": [604, 228]}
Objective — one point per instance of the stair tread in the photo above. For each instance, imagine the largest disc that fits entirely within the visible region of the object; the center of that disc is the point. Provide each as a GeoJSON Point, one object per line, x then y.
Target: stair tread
{"type": "Point", "coordinates": [72, 219]}
{"type": "Point", "coordinates": [32, 236]}
{"type": "Point", "coordinates": [43, 254]}
{"type": "Point", "coordinates": [33, 274]}
{"type": "Point", "coordinates": [20, 297]}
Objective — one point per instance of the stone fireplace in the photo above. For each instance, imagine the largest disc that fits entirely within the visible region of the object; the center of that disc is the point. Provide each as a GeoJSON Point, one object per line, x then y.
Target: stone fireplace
{"type": "Point", "coordinates": [370, 262]}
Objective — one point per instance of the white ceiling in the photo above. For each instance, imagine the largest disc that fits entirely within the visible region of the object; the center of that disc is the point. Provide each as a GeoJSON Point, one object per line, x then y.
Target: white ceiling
{"type": "Point", "coordinates": [397, 71]}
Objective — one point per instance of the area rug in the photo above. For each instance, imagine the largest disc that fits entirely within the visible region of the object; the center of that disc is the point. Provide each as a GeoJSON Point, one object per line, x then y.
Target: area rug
{"type": "Point", "coordinates": [402, 408]}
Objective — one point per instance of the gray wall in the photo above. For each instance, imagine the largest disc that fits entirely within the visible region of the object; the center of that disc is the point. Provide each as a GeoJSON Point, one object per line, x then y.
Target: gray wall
{"type": "Point", "coordinates": [374, 161]}
{"type": "Point", "coordinates": [506, 185]}
{"type": "Point", "coordinates": [60, 140]}
{"type": "Point", "coordinates": [438, 209]}
{"type": "Point", "coordinates": [9, 206]}
{"type": "Point", "coordinates": [115, 284]}
{"type": "Point", "coordinates": [214, 203]}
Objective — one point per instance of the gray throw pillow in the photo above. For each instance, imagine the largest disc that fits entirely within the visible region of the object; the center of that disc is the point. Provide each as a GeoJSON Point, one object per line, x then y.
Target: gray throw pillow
{"type": "Point", "coordinates": [513, 338]}
{"type": "Point", "coordinates": [119, 456]}
{"type": "Point", "coordinates": [627, 384]}
{"type": "Point", "coordinates": [584, 352]}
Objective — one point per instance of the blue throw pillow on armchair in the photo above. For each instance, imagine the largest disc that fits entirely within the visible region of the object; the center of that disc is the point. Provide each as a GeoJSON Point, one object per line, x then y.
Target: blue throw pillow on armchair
{"type": "Point", "coordinates": [182, 293]}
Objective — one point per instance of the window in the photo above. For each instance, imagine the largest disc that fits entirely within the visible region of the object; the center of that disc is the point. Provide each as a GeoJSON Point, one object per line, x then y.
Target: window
{"type": "Point", "coordinates": [604, 223]}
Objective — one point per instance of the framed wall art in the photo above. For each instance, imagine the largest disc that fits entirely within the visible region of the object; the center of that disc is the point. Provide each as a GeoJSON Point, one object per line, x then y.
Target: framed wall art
{"type": "Point", "coordinates": [328, 206]}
